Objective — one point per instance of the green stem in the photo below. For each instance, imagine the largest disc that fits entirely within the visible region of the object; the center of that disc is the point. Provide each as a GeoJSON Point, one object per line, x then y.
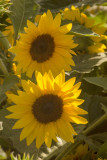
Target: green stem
{"type": "Point", "coordinates": [3, 67]}
{"type": "Point", "coordinates": [94, 125]}
{"type": "Point", "coordinates": [4, 70]}
{"type": "Point", "coordinates": [70, 147]}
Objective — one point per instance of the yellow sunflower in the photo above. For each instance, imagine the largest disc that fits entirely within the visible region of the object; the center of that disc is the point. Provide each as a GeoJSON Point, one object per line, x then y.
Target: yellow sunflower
{"type": "Point", "coordinates": [96, 48]}
{"type": "Point", "coordinates": [45, 110]}
{"type": "Point", "coordinates": [45, 46]}
{"type": "Point", "coordinates": [80, 153]}
{"type": "Point", "coordinates": [74, 14]}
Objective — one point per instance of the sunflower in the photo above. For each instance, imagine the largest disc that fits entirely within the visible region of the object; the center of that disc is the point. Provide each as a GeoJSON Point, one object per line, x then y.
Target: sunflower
{"type": "Point", "coordinates": [96, 48]}
{"type": "Point", "coordinates": [45, 110]}
{"type": "Point", "coordinates": [74, 14]}
{"type": "Point", "coordinates": [45, 46]}
{"type": "Point", "coordinates": [80, 153]}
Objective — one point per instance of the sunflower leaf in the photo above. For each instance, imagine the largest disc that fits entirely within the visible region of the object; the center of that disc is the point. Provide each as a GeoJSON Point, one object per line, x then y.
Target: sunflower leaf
{"type": "Point", "coordinates": [4, 42]}
{"type": "Point", "coordinates": [103, 150]}
{"type": "Point", "coordinates": [79, 29]}
{"type": "Point", "coordinates": [2, 97]}
{"type": "Point", "coordinates": [56, 5]}
{"type": "Point", "coordinates": [9, 82]}
{"type": "Point", "coordinates": [21, 11]}
{"type": "Point", "coordinates": [93, 105]}
{"type": "Point", "coordinates": [104, 107]}
{"type": "Point", "coordinates": [99, 81]}
{"type": "Point", "coordinates": [86, 62]}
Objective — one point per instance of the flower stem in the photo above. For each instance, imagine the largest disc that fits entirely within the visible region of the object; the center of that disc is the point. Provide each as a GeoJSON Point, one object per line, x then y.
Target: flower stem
{"type": "Point", "coordinates": [94, 125]}
{"type": "Point", "coordinates": [70, 147]}
{"type": "Point", "coordinates": [3, 67]}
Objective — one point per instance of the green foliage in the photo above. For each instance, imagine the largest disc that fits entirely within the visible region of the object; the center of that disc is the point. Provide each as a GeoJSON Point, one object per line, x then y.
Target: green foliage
{"type": "Point", "coordinates": [9, 82]}
{"type": "Point", "coordinates": [4, 11]}
{"type": "Point", "coordinates": [4, 42]}
{"type": "Point", "coordinates": [24, 157]}
{"type": "Point", "coordinates": [103, 150]}
{"type": "Point", "coordinates": [56, 5]}
{"type": "Point", "coordinates": [85, 63]}
{"type": "Point", "coordinates": [91, 69]}
{"type": "Point", "coordinates": [22, 10]}
{"type": "Point", "coordinates": [4, 8]}
{"type": "Point", "coordinates": [99, 81]}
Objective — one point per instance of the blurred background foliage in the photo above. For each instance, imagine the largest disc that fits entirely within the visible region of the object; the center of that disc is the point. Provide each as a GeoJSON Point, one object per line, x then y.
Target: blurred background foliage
{"type": "Point", "coordinates": [90, 32]}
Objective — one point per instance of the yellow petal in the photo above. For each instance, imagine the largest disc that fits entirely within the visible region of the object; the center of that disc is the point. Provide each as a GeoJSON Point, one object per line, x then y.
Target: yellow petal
{"type": "Point", "coordinates": [64, 130]}
{"type": "Point", "coordinates": [15, 115]}
{"type": "Point", "coordinates": [74, 110]}
{"type": "Point", "coordinates": [49, 15]}
{"type": "Point", "coordinates": [32, 136]}
{"type": "Point", "coordinates": [66, 28]}
{"type": "Point", "coordinates": [69, 84]}
{"type": "Point", "coordinates": [27, 130]}
{"type": "Point", "coordinates": [41, 136]}
{"type": "Point", "coordinates": [57, 20]}
{"type": "Point", "coordinates": [79, 120]}
{"type": "Point", "coordinates": [24, 121]}
{"type": "Point", "coordinates": [39, 79]}
{"type": "Point", "coordinates": [50, 134]}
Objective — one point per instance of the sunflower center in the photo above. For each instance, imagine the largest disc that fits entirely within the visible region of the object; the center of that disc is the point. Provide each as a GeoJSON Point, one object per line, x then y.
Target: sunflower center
{"type": "Point", "coordinates": [47, 108]}
{"type": "Point", "coordinates": [42, 48]}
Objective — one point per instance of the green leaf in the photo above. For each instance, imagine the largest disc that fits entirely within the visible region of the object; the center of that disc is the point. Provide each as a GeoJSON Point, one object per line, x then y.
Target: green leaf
{"type": "Point", "coordinates": [103, 151]}
{"type": "Point", "coordinates": [5, 143]}
{"type": "Point", "coordinates": [102, 137]}
{"type": "Point", "coordinates": [9, 82]}
{"type": "Point", "coordinates": [21, 11]}
{"type": "Point", "coordinates": [104, 107]}
{"type": "Point", "coordinates": [86, 62]}
{"type": "Point", "coordinates": [2, 97]}
{"type": "Point", "coordinates": [3, 67]}
{"type": "Point", "coordinates": [4, 42]}
{"type": "Point", "coordinates": [93, 105]}
{"type": "Point", "coordinates": [78, 28]}
{"type": "Point", "coordinates": [87, 156]}
{"type": "Point", "coordinates": [99, 81]}
{"type": "Point", "coordinates": [56, 5]}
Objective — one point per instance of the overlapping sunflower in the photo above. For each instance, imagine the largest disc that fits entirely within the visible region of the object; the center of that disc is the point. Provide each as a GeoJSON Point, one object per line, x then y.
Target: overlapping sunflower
{"type": "Point", "coordinates": [45, 47]}
{"type": "Point", "coordinates": [46, 110]}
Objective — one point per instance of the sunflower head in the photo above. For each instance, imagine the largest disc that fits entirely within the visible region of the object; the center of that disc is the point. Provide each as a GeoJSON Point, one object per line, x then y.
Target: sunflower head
{"type": "Point", "coordinates": [81, 152]}
{"type": "Point", "coordinates": [46, 110]}
{"type": "Point", "coordinates": [45, 46]}
{"type": "Point", "coordinates": [96, 48]}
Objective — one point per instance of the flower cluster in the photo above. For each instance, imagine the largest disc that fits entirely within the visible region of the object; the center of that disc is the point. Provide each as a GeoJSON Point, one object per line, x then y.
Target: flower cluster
{"type": "Point", "coordinates": [74, 14]}
{"type": "Point", "coordinates": [48, 109]}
